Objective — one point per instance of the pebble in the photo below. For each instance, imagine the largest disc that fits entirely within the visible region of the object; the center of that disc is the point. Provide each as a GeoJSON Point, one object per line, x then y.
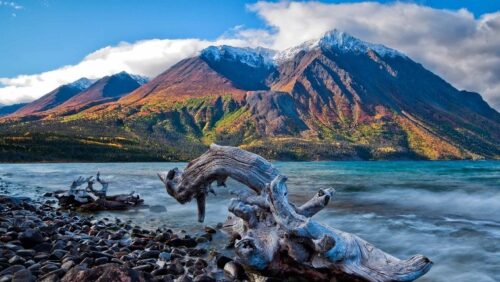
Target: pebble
{"type": "Point", "coordinates": [26, 253]}
{"type": "Point", "coordinates": [51, 245]}
{"type": "Point", "coordinates": [23, 276]}
{"type": "Point", "coordinates": [17, 260]}
{"type": "Point", "coordinates": [164, 256]}
{"type": "Point", "coordinates": [234, 270]}
{"type": "Point", "coordinates": [49, 267]}
{"type": "Point", "coordinates": [29, 238]}
{"type": "Point", "coordinates": [203, 278]}
{"type": "Point", "coordinates": [11, 270]}
{"type": "Point", "coordinates": [57, 254]}
{"type": "Point", "coordinates": [210, 229]}
{"type": "Point", "coordinates": [101, 260]}
{"type": "Point", "coordinates": [221, 261]}
{"type": "Point", "coordinates": [149, 254]}
{"type": "Point", "coordinates": [6, 278]}
{"type": "Point", "coordinates": [177, 242]}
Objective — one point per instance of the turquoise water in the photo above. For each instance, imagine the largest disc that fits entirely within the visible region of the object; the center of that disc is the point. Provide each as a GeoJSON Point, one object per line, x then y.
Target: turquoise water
{"type": "Point", "coordinates": [448, 211]}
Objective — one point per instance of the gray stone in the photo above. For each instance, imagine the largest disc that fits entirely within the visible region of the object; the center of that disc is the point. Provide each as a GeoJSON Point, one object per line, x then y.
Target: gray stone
{"type": "Point", "coordinates": [17, 260]}
{"type": "Point", "coordinates": [164, 256]}
{"type": "Point", "coordinates": [23, 276]}
{"type": "Point", "coordinates": [11, 270]}
{"type": "Point", "coordinates": [234, 270]}
{"type": "Point", "coordinates": [68, 265]}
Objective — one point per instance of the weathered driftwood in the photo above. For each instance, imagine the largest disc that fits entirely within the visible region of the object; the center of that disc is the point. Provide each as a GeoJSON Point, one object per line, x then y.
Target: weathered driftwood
{"type": "Point", "coordinates": [91, 200]}
{"type": "Point", "coordinates": [277, 238]}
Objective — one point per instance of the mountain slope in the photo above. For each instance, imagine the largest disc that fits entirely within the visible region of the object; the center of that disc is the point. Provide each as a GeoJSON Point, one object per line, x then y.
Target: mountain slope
{"type": "Point", "coordinates": [106, 89]}
{"type": "Point", "coordinates": [336, 97]}
{"type": "Point", "coordinates": [7, 110]}
{"type": "Point", "coordinates": [346, 90]}
{"type": "Point", "coordinates": [54, 98]}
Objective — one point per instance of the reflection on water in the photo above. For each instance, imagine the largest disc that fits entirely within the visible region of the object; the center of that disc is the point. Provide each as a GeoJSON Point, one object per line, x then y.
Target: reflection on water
{"type": "Point", "coordinates": [448, 211]}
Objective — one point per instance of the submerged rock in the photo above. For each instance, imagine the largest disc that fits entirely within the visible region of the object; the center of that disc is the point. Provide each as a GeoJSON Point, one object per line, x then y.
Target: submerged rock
{"type": "Point", "coordinates": [157, 209]}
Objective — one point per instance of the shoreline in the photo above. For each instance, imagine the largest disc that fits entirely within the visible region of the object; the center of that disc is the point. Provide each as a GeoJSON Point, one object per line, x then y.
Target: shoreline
{"type": "Point", "coordinates": [39, 242]}
{"type": "Point", "coordinates": [274, 161]}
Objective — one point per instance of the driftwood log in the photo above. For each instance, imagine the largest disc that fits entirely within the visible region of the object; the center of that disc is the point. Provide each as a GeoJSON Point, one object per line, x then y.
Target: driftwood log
{"type": "Point", "coordinates": [91, 200]}
{"type": "Point", "coordinates": [275, 238]}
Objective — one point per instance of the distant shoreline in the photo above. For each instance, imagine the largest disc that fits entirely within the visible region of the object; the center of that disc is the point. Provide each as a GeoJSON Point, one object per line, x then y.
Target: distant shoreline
{"type": "Point", "coordinates": [288, 161]}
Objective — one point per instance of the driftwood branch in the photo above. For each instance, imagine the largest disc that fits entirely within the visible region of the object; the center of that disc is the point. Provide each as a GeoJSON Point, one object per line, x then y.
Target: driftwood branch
{"type": "Point", "coordinates": [277, 238]}
{"type": "Point", "coordinates": [89, 199]}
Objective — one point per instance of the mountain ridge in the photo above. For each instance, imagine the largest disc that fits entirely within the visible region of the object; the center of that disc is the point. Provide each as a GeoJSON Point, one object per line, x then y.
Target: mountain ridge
{"type": "Point", "coordinates": [336, 97]}
{"type": "Point", "coordinates": [80, 94]}
{"type": "Point", "coordinates": [54, 98]}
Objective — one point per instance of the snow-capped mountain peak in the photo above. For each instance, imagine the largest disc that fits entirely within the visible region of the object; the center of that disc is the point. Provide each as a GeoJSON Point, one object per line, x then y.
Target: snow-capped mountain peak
{"type": "Point", "coordinates": [341, 41]}
{"type": "Point", "coordinates": [254, 57]}
{"type": "Point", "coordinates": [82, 83]}
{"type": "Point", "coordinates": [257, 57]}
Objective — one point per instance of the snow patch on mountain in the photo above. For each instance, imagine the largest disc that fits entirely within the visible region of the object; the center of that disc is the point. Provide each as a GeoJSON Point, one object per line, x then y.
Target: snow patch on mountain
{"type": "Point", "coordinates": [140, 79]}
{"type": "Point", "coordinates": [253, 57]}
{"type": "Point", "coordinates": [82, 83]}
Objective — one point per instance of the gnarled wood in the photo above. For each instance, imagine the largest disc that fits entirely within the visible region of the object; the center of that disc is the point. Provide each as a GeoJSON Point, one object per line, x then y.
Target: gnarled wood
{"type": "Point", "coordinates": [91, 200]}
{"type": "Point", "coordinates": [276, 238]}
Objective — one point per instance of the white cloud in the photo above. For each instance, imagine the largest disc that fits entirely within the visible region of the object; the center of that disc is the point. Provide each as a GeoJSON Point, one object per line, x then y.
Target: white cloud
{"type": "Point", "coordinates": [148, 57]}
{"type": "Point", "coordinates": [10, 4]}
{"type": "Point", "coordinates": [462, 49]}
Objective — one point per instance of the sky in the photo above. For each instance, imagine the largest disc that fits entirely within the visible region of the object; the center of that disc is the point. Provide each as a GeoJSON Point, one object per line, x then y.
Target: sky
{"type": "Point", "coordinates": [47, 43]}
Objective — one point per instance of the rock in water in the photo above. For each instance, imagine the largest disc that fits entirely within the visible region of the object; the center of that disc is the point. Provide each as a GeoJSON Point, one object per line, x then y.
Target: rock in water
{"type": "Point", "coordinates": [158, 209]}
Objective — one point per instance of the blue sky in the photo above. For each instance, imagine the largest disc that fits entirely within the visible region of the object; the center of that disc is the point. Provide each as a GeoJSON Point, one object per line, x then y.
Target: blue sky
{"type": "Point", "coordinates": [47, 43]}
{"type": "Point", "coordinates": [46, 34]}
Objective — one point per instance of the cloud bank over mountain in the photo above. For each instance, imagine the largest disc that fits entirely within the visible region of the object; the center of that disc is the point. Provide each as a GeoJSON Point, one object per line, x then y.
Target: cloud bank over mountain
{"type": "Point", "coordinates": [454, 44]}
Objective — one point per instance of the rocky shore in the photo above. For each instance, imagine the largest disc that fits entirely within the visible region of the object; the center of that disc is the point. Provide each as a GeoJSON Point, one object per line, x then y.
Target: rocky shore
{"type": "Point", "coordinates": [38, 242]}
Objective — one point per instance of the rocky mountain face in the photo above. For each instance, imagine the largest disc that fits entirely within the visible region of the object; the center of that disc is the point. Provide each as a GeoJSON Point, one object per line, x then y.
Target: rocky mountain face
{"type": "Point", "coordinates": [336, 97]}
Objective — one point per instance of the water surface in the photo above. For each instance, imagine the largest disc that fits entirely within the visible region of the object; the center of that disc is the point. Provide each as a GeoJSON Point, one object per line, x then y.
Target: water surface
{"type": "Point", "coordinates": [448, 211]}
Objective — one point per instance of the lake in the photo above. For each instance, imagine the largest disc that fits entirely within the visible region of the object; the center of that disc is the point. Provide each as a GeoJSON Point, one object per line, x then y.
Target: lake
{"type": "Point", "coordinates": [448, 211]}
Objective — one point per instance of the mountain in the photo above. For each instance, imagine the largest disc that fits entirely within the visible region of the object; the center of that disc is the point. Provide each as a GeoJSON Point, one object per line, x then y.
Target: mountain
{"type": "Point", "coordinates": [54, 98]}
{"type": "Point", "coordinates": [336, 97]}
{"type": "Point", "coordinates": [104, 90]}
{"type": "Point", "coordinates": [9, 109]}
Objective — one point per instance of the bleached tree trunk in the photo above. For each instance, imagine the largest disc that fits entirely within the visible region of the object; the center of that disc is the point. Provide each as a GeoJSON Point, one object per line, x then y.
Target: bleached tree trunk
{"type": "Point", "coordinates": [277, 238]}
